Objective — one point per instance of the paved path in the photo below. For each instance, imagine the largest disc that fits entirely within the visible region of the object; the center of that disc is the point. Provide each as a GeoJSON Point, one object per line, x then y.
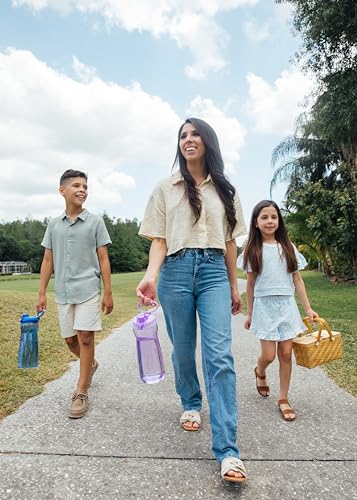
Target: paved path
{"type": "Point", "coordinates": [130, 446]}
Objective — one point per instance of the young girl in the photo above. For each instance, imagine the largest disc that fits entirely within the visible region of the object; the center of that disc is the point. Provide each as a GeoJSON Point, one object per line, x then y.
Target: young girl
{"type": "Point", "coordinates": [272, 264]}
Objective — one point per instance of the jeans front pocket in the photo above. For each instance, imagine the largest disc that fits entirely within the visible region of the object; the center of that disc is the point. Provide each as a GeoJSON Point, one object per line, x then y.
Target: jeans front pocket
{"type": "Point", "coordinates": [216, 257]}
{"type": "Point", "coordinates": [174, 257]}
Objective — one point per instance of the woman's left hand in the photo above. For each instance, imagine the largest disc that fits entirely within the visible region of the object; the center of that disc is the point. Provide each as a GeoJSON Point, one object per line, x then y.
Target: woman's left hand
{"type": "Point", "coordinates": [237, 302]}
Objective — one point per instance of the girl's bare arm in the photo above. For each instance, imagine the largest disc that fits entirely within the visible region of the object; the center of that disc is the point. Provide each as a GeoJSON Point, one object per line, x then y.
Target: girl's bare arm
{"type": "Point", "coordinates": [302, 295]}
{"type": "Point", "coordinates": [251, 277]}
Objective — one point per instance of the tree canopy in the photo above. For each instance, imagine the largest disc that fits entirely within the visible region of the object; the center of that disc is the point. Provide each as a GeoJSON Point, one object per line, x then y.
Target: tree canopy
{"type": "Point", "coordinates": [320, 160]}
{"type": "Point", "coordinates": [328, 30]}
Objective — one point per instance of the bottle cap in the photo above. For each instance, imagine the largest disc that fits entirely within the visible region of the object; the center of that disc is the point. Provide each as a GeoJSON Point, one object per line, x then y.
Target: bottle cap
{"type": "Point", "coordinates": [141, 320]}
{"type": "Point", "coordinates": [25, 318]}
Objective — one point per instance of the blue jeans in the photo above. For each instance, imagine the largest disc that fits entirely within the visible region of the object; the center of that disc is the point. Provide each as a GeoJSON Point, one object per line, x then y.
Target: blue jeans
{"type": "Point", "coordinates": [195, 280]}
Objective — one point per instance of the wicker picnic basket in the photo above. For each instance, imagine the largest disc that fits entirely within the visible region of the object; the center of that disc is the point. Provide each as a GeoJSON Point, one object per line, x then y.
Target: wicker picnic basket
{"type": "Point", "coordinates": [314, 348]}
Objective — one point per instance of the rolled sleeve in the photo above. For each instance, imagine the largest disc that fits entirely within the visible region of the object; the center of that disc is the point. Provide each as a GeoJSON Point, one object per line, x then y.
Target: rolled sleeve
{"type": "Point", "coordinates": [102, 235]}
{"type": "Point", "coordinates": [240, 227]}
{"type": "Point", "coordinates": [240, 263]}
{"type": "Point", "coordinates": [47, 239]}
{"type": "Point", "coordinates": [154, 221]}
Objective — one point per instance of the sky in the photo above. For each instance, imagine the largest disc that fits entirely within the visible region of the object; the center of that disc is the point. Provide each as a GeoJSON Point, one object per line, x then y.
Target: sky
{"type": "Point", "coordinates": [102, 86]}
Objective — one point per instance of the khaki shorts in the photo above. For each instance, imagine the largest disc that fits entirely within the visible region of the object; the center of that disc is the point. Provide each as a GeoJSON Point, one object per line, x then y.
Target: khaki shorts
{"type": "Point", "coordinates": [84, 316]}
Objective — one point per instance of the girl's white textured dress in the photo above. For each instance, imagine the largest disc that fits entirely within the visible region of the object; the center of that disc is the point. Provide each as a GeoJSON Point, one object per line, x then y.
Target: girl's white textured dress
{"type": "Point", "coordinates": [275, 312]}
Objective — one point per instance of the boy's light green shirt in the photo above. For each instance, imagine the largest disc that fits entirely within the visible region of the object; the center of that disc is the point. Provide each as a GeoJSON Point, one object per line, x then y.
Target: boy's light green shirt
{"type": "Point", "coordinates": [74, 247]}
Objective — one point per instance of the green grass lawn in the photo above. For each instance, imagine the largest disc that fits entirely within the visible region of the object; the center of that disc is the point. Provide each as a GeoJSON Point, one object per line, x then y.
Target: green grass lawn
{"type": "Point", "coordinates": [19, 295]}
{"type": "Point", "coordinates": [336, 302]}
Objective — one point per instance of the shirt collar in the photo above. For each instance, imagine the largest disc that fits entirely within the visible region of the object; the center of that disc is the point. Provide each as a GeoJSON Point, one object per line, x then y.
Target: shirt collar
{"type": "Point", "coordinates": [83, 215]}
{"type": "Point", "coordinates": [177, 177]}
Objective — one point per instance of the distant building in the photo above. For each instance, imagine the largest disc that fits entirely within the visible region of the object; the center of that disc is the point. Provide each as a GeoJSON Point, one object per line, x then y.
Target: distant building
{"type": "Point", "coordinates": [14, 267]}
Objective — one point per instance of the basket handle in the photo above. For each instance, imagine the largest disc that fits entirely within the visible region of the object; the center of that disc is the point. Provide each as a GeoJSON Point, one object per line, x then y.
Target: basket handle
{"type": "Point", "coordinates": [323, 325]}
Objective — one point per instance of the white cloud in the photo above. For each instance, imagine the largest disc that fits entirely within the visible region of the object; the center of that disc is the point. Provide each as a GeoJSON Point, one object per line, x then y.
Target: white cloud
{"type": "Point", "coordinates": [280, 21]}
{"type": "Point", "coordinates": [50, 122]}
{"type": "Point", "coordinates": [187, 30]}
{"type": "Point", "coordinates": [191, 23]}
{"type": "Point", "coordinates": [84, 72]}
{"type": "Point", "coordinates": [231, 134]}
{"type": "Point", "coordinates": [62, 6]}
{"type": "Point", "coordinates": [283, 13]}
{"type": "Point", "coordinates": [275, 107]}
{"type": "Point", "coordinates": [255, 32]}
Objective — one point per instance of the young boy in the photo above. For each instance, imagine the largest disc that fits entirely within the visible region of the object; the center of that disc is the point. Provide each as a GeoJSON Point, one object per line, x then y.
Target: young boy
{"type": "Point", "coordinates": [76, 250]}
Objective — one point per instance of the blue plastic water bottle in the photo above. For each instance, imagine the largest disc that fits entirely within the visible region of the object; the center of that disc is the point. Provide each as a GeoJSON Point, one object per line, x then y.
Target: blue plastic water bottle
{"type": "Point", "coordinates": [150, 361]}
{"type": "Point", "coordinates": [28, 345]}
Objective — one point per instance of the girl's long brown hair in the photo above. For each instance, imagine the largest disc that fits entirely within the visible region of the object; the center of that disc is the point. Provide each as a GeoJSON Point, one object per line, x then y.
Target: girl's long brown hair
{"type": "Point", "coordinates": [215, 167]}
{"type": "Point", "coordinates": [253, 252]}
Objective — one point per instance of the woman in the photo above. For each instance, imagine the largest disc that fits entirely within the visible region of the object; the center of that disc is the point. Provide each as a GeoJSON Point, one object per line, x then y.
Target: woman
{"type": "Point", "coordinates": [193, 218]}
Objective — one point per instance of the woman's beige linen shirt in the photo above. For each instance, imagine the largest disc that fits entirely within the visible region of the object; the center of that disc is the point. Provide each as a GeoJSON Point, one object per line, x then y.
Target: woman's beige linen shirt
{"type": "Point", "coordinates": [169, 215]}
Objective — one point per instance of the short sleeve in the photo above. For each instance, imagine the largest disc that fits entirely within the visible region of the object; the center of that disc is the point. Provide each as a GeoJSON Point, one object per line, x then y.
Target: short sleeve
{"type": "Point", "coordinates": [301, 261]}
{"type": "Point", "coordinates": [240, 263]}
{"type": "Point", "coordinates": [102, 235]}
{"type": "Point", "coordinates": [240, 226]}
{"type": "Point", "coordinates": [47, 239]}
{"type": "Point", "coordinates": [154, 221]}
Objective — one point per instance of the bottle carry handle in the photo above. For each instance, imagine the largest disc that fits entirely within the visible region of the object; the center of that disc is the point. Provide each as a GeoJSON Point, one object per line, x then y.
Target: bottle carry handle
{"type": "Point", "coordinates": [41, 313]}
{"type": "Point", "coordinates": [141, 307]}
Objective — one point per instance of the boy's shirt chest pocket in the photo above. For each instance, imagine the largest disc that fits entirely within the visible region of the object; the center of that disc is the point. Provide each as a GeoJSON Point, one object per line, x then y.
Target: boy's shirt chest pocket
{"type": "Point", "coordinates": [79, 236]}
{"type": "Point", "coordinates": [78, 243]}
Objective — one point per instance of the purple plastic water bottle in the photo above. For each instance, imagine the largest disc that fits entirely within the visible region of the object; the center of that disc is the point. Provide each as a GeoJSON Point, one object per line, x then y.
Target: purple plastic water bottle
{"type": "Point", "coordinates": [150, 361]}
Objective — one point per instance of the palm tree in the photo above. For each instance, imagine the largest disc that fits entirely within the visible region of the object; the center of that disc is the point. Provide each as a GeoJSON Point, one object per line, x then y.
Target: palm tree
{"type": "Point", "coordinates": [303, 158]}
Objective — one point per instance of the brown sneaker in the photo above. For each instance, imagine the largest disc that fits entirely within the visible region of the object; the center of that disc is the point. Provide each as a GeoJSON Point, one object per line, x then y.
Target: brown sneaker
{"type": "Point", "coordinates": [78, 406]}
{"type": "Point", "coordinates": [92, 372]}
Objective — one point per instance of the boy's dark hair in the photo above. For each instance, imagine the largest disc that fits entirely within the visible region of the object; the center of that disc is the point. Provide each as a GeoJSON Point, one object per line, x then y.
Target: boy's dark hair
{"type": "Point", "coordinates": [69, 174]}
{"type": "Point", "coordinates": [253, 252]}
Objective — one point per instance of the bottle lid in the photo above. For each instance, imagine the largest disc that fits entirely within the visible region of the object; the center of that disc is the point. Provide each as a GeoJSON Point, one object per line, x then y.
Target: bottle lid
{"type": "Point", "coordinates": [25, 318]}
{"type": "Point", "coordinates": [141, 308]}
{"type": "Point", "coordinates": [143, 320]}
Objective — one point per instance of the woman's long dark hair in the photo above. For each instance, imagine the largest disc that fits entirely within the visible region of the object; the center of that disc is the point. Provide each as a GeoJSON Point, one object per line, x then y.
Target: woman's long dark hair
{"type": "Point", "coordinates": [215, 167]}
{"type": "Point", "coordinates": [253, 252]}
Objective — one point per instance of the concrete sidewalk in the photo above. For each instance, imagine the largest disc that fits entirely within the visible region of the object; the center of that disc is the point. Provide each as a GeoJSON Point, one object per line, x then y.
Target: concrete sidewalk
{"type": "Point", "coordinates": [130, 444]}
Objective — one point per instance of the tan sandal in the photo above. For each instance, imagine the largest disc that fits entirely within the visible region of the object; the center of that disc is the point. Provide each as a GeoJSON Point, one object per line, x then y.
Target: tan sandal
{"type": "Point", "coordinates": [236, 465]}
{"type": "Point", "coordinates": [287, 411]}
{"type": "Point", "coordinates": [263, 390]}
{"type": "Point", "coordinates": [192, 417]}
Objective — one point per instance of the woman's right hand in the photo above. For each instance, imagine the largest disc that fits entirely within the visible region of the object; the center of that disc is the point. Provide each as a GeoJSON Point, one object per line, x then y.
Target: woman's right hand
{"type": "Point", "coordinates": [146, 291]}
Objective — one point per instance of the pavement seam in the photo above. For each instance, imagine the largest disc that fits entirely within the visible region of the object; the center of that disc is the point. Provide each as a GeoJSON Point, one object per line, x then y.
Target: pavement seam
{"type": "Point", "coordinates": [197, 459]}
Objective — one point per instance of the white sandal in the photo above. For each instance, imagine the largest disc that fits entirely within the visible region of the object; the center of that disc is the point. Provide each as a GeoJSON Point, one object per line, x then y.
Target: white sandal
{"type": "Point", "coordinates": [190, 416]}
{"type": "Point", "coordinates": [235, 464]}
